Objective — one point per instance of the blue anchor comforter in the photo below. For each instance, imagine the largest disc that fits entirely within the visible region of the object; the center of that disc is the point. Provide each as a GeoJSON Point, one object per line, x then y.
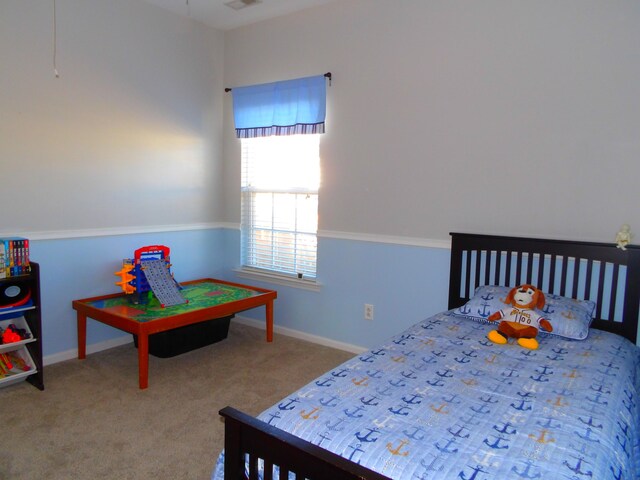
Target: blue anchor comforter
{"type": "Point", "coordinates": [439, 401]}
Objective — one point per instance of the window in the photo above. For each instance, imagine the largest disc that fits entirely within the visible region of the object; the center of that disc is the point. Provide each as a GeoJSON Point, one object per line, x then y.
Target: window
{"type": "Point", "coordinates": [279, 222]}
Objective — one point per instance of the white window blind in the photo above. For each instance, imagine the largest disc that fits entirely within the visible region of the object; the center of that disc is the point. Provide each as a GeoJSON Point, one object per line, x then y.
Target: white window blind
{"type": "Point", "coordinates": [280, 180]}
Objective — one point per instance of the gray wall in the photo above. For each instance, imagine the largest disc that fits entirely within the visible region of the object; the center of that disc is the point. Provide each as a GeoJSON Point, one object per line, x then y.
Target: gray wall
{"type": "Point", "coordinates": [128, 137]}
{"type": "Point", "coordinates": [489, 116]}
{"type": "Point", "coordinates": [492, 116]}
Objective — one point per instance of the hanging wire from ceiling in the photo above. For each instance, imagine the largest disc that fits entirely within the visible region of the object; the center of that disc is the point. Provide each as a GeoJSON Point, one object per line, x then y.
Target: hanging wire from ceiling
{"type": "Point", "coordinates": [188, 8]}
{"type": "Point", "coordinates": [55, 42]}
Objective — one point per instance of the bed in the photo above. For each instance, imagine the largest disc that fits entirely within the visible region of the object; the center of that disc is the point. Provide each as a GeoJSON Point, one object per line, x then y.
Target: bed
{"type": "Point", "coordinates": [441, 401]}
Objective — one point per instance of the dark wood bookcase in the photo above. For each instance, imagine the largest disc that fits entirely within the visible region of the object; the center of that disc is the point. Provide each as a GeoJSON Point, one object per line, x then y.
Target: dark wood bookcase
{"type": "Point", "coordinates": [30, 349]}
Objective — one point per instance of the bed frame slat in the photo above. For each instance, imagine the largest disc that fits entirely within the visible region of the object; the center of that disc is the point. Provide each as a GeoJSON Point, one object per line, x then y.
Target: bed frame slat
{"type": "Point", "coordinates": [253, 468]}
{"type": "Point", "coordinates": [468, 275]}
{"type": "Point", "coordinates": [487, 266]}
{"type": "Point", "coordinates": [540, 280]}
{"type": "Point", "coordinates": [268, 470]}
{"type": "Point", "coordinates": [552, 274]}
{"type": "Point", "coordinates": [478, 257]}
{"type": "Point", "coordinates": [600, 296]}
{"type": "Point", "coordinates": [529, 269]}
{"type": "Point", "coordinates": [576, 276]}
{"type": "Point", "coordinates": [496, 280]}
{"type": "Point", "coordinates": [587, 282]}
{"type": "Point", "coordinates": [614, 292]}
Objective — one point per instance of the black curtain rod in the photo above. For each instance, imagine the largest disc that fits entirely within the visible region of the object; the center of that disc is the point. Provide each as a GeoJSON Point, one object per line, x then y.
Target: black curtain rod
{"type": "Point", "coordinates": [328, 75]}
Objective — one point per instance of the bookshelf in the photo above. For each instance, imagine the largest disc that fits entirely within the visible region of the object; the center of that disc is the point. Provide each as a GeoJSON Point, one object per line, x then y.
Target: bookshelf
{"type": "Point", "coordinates": [28, 316]}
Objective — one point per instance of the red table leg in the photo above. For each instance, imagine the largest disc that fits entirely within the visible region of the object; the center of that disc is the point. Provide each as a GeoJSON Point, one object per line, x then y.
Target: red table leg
{"type": "Point", "coordinates": [269, 306]}
{"type": "Point", "coordinates": [143, 360]}
{"type": "Point", "coordinates": [82, 336]}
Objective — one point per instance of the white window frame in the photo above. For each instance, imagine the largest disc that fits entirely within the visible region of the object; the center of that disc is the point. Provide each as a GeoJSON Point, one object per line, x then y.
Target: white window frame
{"type": "Point", "coordinates": [270, 232]}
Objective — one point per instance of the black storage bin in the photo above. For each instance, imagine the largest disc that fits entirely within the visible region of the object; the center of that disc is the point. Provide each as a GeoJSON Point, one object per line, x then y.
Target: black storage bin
{"type": "Point", "coordinates": [184, 339]}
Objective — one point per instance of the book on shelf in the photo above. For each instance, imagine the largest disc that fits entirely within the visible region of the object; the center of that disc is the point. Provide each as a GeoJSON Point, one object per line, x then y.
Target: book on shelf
{"type": "Point", "coordinates": [3, 270]}
{"type": "Point", "coordinates": [14, 257]}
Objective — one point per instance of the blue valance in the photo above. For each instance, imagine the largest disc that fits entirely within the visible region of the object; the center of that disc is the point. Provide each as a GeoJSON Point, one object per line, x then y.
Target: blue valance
{"type": "Point", "coordinates": [280, 108]}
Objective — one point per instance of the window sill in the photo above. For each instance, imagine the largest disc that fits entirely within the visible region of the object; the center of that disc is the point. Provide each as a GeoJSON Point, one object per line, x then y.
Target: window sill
{"type": "Point", "coordinates": [284, 280]}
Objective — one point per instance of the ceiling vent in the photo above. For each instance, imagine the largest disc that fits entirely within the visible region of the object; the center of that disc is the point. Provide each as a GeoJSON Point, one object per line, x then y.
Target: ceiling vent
{"type": "Point", "coordinates": [240, 4]}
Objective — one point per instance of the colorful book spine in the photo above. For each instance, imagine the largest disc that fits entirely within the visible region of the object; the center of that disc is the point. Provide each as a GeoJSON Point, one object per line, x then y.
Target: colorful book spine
{"type": "Point", "coordinates": [14, 257]}
{"type": "Point", "coordinates": [3, 269]}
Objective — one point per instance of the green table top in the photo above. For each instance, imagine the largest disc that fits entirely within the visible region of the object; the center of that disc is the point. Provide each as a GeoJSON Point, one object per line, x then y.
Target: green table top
{"type": "Point", "coordinates": [199, 295]}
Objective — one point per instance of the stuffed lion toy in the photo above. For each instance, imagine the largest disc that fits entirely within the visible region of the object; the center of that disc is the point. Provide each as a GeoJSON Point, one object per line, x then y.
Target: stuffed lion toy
{"type": "Point", "coordinates": [520, 321]}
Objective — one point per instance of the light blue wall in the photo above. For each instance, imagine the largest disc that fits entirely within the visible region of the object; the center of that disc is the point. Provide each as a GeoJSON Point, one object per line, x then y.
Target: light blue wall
{"type": "Point", "coordinates": [404, 283]}
{"type": "Point", "coordinates": [84, 267]}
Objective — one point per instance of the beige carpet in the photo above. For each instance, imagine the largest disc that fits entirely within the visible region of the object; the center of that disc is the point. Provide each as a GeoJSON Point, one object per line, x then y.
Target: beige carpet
{"type": "Point", "coordinates": [92, 421]}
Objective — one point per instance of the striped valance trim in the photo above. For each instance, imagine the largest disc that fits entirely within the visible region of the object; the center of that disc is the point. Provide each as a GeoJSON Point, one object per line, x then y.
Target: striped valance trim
{"type": "Point", "coordinates": [298, 129]}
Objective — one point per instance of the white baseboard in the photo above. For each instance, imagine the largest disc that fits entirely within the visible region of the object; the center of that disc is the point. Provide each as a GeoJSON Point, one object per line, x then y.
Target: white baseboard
{"type": "Point", "coordinates": [289, 332]}
{"type": "Point", "coordinates": [94, 348]}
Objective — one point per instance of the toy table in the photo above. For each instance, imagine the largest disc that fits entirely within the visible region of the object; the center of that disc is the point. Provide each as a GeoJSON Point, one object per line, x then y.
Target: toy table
{"type": "Point", "coordinates": [208, 299]}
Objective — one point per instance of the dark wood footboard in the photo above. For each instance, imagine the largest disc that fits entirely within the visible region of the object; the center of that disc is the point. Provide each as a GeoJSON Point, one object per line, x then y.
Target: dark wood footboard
{"type": "Point", "coordinates": [248, 440]}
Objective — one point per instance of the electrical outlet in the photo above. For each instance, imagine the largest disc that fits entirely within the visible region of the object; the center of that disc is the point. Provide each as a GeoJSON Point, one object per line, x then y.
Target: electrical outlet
{"type": "Point", "coordinates": [368, 311]}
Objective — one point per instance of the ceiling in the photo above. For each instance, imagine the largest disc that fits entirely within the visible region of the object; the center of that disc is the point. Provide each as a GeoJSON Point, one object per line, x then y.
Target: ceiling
{"type": "Point", "coordinates": [218, 15]}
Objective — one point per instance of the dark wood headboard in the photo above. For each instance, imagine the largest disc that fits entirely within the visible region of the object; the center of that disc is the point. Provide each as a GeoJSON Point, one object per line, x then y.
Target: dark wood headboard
{"type": "Point", "coordinates": [599, 272]}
